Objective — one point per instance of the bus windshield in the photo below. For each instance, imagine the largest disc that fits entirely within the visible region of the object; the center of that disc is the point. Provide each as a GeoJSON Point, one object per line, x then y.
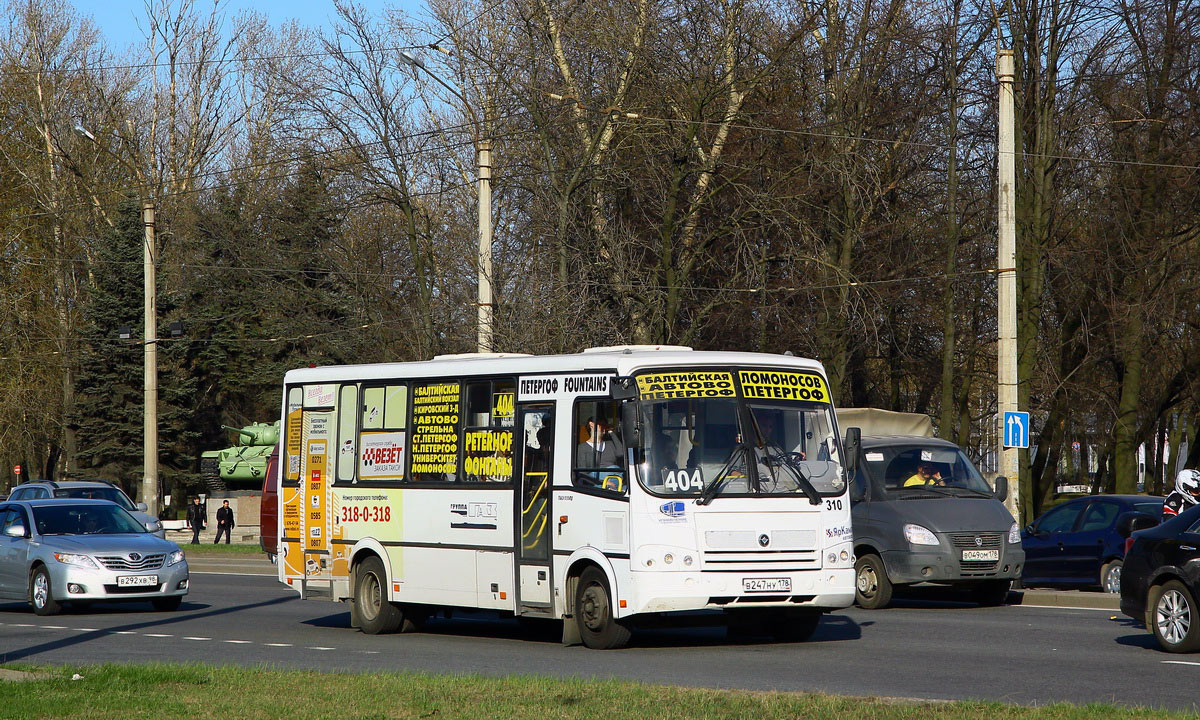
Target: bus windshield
{"type": "Point", "coordinates": [750, 447]}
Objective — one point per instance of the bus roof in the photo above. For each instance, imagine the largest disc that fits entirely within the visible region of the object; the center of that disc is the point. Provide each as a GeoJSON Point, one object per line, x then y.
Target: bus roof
{"type": "Point", "coordinates": [623, 360]}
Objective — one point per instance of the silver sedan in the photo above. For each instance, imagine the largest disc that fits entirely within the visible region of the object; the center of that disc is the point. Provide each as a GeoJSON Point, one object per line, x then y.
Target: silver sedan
{"type": "Point", "coordinates": [82, 551]}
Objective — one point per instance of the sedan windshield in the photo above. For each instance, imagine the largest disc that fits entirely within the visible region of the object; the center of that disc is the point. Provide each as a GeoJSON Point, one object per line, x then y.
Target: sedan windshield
{"type": "Point", "coordinates": [84, 520]}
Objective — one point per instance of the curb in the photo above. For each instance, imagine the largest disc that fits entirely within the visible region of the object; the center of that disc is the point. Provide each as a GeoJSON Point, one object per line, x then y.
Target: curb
{"type": "Point", "coordinates": [1066, 599]}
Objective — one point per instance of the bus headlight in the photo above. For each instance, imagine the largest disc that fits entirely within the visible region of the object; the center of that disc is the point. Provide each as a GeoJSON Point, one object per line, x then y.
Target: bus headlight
{"type": "Point", "coordinates": [1014, 535]}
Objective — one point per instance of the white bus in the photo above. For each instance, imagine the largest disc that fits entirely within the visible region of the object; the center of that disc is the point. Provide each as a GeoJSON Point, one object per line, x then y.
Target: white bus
{"type": "Point", "coordinates": [591, 488]}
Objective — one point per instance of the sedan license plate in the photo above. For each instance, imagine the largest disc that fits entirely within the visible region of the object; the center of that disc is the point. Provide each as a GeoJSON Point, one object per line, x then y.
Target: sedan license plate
{"type": "Point", "coordinates": [757, 585]}
{"type": "Point", "coordinates": [984, 555]}
{"type": "Point", "coordinates": [137, 581]}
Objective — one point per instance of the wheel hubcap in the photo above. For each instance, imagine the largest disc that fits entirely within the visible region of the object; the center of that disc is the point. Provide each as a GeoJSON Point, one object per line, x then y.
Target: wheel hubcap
{"type": "Point", "coordinates": [372, 597]}
{"type": "Point", "coordinates": [593, 608]}
{"type": "Point", "coordinates": [1173, 617]}
{"type": "Point", "coordinates": [41, 590]}
{"type": "Point", "coordinates": [867, 582]}
{"type": "Point", "coordinates": [1114, 580]}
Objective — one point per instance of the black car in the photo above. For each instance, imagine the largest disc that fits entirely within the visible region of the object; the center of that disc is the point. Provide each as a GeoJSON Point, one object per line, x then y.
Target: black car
{"type": "Point", "coordinates": [1081, 543]}
{"type": "Point", "coordinates": [1161, 578]}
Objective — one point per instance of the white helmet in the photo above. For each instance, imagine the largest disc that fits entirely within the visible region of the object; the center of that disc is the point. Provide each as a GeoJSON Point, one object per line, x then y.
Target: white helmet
{"type": "Point", "coordinates": [1187, 482]}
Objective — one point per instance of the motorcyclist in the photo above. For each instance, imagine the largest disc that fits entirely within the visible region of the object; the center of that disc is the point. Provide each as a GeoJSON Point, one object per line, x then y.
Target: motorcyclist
{"type": "Point", "coordinates": [1187, 493]}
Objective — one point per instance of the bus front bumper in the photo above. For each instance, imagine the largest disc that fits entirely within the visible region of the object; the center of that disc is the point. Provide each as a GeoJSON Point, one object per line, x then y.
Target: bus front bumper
{"type": "Point", "coordinates": [826, 589]}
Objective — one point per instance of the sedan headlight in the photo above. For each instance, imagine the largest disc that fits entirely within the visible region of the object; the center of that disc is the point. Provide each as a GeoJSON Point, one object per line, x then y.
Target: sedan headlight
{"type": "Point", "coordinates": [74, 559]}
{"type": "Point", "coordinates": [1014, 535]}
{"type": "Point", "coordinates": [175, 558]}
{"type": "Point", "coordinates": [919, 535]}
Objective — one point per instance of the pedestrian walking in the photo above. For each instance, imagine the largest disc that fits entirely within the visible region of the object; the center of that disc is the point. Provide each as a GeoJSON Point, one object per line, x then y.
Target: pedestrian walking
{"type": "Point", "coordinates": [224, 522]}
{"type": "Point", "coordinates": [196, 519]}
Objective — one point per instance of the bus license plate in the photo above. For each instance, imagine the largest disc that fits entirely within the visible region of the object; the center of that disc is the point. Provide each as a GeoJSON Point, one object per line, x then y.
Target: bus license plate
{"type": "Point", "coordinates": [981, 555]}
{"type": "Point", "coordinates": [137, 581]}
{"type": "Point", "coordinates": [757, 585]}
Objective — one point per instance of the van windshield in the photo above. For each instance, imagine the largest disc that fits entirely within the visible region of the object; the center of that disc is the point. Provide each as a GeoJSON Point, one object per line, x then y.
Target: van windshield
{"type": "Point", "coordinates": [922, 469]}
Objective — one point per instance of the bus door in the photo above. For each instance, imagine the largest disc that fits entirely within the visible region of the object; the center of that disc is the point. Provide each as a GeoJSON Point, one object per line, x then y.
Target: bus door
{"type": "Point", "coordinates": [535, 522]}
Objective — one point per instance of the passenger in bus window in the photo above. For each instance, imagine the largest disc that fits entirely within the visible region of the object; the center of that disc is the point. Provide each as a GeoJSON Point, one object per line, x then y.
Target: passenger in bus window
{"type": "Point", "coordinates": [600, 450]}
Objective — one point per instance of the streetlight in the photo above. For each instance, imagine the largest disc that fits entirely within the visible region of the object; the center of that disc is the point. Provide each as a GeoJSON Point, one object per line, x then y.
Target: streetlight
{"type": "Point", "coordinates": [150, 411]}
{"type": "Point", "coordinates": [484, 163]}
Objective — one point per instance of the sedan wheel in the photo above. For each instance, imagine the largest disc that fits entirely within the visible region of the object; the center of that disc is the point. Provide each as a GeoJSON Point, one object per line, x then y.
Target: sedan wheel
{"type": "Point", "coordinates": [1110, 576]}
{"type": "Point", "coordinates": [1175, 617]}
{"type": "Point", "coordinates": [41, 595]}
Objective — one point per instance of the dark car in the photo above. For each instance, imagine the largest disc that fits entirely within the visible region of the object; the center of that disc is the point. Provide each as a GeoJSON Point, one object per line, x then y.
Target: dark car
{"type": "Point", "coordinates": [1161, 580]}
{"type": "Point", "coordinates": [1081, 543]}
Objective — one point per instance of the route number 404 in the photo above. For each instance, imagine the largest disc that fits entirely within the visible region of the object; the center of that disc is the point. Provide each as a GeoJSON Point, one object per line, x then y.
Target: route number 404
{"type": "Point", "coordinates": [683, 480]}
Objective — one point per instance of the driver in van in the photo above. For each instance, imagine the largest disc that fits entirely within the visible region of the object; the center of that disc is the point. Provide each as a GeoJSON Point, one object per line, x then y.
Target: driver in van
{"type": "Point", "coordinates": [926, 474]}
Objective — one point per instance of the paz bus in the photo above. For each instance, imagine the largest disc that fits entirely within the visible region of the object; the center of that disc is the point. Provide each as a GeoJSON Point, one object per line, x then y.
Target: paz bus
{"type": "Point", "coordinates": [594, 488]}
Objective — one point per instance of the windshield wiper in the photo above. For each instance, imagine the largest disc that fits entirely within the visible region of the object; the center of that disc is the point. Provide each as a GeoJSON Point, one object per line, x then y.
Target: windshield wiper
{"type": "Point", "coordinates": [936, 490]}
{"type": "Point", "coordinates": [806, 486]}
{"type": "Point", "coordinates": [718, 482]}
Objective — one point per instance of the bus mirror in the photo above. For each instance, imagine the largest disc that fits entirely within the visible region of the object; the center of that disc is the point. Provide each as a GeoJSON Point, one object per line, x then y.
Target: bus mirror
{"type": "Point", "coordinates": [852, 447]}
{"type": "Point", "coordinates": [631, 426]}
{"type": "Point", "coordinates": [623, 388]}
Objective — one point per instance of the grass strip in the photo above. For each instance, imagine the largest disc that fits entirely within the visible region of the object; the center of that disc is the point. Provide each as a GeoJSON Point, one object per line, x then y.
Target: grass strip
{"type": "Point", "coordinates": [222, 550]}
{"type": "Point", "coordinates": [204, 692]}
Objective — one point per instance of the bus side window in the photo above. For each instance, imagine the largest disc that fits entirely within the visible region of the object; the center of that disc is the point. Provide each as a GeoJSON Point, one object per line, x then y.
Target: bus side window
{"type": "Point", "coordinates": [598, 459]}
{"type": "Point", "coordinates": [436, 431]}
{"type": "Point", "coordinates": [488, 435]}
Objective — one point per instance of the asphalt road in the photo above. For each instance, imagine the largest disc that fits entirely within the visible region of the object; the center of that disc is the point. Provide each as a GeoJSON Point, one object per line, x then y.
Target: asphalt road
{"type": "Point", "coordinates": [920, 649]}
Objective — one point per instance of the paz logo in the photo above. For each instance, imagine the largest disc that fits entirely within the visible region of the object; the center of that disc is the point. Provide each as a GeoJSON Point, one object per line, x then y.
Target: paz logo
{"type": "Point", "coordinates": [672, 509]}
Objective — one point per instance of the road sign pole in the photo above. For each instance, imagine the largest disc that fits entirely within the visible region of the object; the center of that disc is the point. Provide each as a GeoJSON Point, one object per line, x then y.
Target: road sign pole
{"type": "Point", "coordinates": [1006, 279]}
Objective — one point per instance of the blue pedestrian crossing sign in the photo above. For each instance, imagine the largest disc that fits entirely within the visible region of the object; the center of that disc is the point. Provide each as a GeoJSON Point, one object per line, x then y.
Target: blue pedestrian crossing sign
{"type": "Point", "coordinates": [1016, 429]}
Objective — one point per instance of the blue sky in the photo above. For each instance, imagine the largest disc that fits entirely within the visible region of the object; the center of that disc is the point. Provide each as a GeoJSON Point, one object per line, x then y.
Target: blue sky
{"type": "Point", "coordinates": [118, 19]}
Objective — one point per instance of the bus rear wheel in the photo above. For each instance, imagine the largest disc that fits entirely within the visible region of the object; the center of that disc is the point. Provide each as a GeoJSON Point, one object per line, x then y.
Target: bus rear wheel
{"type": "Point", "coordinates": [376, 615]}
{"type": "Point", "coordinates": [598, 628]}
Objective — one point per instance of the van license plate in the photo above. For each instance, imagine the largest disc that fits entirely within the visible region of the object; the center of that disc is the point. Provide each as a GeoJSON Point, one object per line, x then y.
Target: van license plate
{"type": "Point", "coordinates": [981, 555]}
{"type": "Point", "coordinates": [137, 581]}
{"type": "Point", "coordinates": [757, 585]}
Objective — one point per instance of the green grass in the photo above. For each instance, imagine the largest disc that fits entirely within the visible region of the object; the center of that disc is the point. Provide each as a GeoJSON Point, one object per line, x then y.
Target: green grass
{"type": "Point", "coordinates": [206, 692]}
{"type": "Point", "coordinates": [222, 550]}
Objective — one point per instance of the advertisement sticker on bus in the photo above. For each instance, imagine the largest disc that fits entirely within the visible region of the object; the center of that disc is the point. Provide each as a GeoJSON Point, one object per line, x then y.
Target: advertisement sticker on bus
{"type": "Point", "coordinates": [691, 384]}
{"type": "Point", "coordinates": [783, 385]}
{"type": "Point", "coordinates": [382, 456]}
{"type": "Point", "coordinates": [318, 396]}
{"type": "Point", "coordinates": [552, 387]}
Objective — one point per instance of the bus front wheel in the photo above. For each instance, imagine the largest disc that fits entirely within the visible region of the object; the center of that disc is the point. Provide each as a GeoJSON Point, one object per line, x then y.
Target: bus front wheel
{"type": "Point", "coordinates": [376, 615]}
{"type": "Point", "coordinates": [598, 628]}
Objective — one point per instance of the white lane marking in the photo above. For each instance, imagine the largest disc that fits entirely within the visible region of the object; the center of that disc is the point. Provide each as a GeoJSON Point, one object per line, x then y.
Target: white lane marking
{"type": "Point", "coordinates": [88, 629]}
{"type": "Point", "coordinates": [158, 635]}
{"type": "Point", "coordinates": [369, 652]}
{"type": "Point", "coordinates": [54, 627]}
{"type": "Point", "coordinates": [318, 647]}
{"type": "Point", "coordinates": [278, 644]}
{"type": "Point", "coordinates": [125, 632]}
{"type": "Point", "coordinates": [1061, 607]}
{"type": "Point", "coordinates": [1180, 662]}
{"type": "Point", "coordinates": [188, 637]}
{"type": "Point", "coordinates": [22, 624]}
{"type": "Point", "coordinates": [211, 572]}
{"type": "Point", "coordinates": [237, 642]}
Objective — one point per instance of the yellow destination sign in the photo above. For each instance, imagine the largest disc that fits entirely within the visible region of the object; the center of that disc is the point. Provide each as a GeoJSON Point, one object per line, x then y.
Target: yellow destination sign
{"type": "Point", "coordinates": [776, 385]}
{"type": "Point", "coordinates": [693, 384]}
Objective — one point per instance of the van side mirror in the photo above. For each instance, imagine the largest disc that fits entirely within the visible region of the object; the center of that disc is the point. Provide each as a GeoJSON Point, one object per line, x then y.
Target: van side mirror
{"type": "Point", "coordinates": [15, 530]}
{"type": "Point", "coordinates": [141, 507]}
{"type": "Point", "coordinates": [852, 446]}
{"type": "Point", "coordinates": [1130, 522]}
{"type": "Point", "coordinates": [631, 425]}
{"type": "Point", "coordinates": [1001, 488]}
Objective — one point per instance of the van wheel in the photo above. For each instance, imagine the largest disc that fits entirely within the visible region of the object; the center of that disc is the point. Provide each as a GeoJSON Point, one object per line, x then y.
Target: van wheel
{"type": "Point", "coordinates": [872, 589]}
{"type": "Point", "coordinates": [593, 613]}
{"type": "Point", "coordinates": [375, 613]}
{"type": "Point", "coordinates": [1110, 576]}
{"type": "Point", "coordinates": [1174, 618]}
{"type": "Point", "coordinates": [991, 593]}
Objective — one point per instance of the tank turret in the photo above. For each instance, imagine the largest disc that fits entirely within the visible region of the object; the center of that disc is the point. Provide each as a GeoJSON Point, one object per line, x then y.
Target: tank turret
{"type": "Point", "coordinates": [245, 463]}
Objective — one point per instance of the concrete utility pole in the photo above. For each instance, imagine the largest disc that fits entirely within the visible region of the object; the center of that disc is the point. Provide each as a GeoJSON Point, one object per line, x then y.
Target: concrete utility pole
{"type": "Point", "coordinates": [484, 161]}
{"type": "Point", "coordinates": [150, 415]}
{"type": "Point", "coordinates": [485, 246]}
{"type": "Point", "coordinates": [1006, 282]}
{"type": "Point", "coordinates": [150, 343]}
